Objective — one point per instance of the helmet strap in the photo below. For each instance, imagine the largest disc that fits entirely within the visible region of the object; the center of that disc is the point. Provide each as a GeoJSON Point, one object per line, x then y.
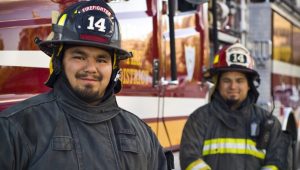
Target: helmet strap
{"type": "Point", "coordinates": [114, 85]}
{"type": "Point", "coordinates": [253, 84]}
{"type": "Point", "coordinates": [55, 65]}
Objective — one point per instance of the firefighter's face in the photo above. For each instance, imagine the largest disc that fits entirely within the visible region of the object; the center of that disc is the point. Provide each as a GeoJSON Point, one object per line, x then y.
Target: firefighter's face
{"type": "Point", "coordinates": [88, 70]}
{"type": "Point", "coordinates": [233, 87]}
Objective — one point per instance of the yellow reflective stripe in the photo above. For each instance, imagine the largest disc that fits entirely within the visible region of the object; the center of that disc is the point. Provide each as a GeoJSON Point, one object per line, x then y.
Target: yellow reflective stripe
{"type": "Point", "coordinates": [229, 140]}
{"type": "Point", "coordinates": [51, 65]}
{"type": "Point", "coordinates": [198, 165]}
{"type": "Point", "coordinates": [216, 59]}
{"type": "Point", "coordinates": [59, 50]}
{"type": "Point", "coordinates": [269, 167]}
{"type": "Point", "coordinates": [115, 60]}
{"type": "Point", "coordinates": [232, 146]}
{"type": "Point", "coordinates": [62, 20]}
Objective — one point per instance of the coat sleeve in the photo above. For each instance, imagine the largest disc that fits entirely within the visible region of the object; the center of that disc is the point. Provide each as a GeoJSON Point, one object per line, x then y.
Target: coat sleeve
{"type": "Point", "coordinates": [13, 152]}
{"type": "Point", "coordinates": [157, 158]}
{"type": "Point", "coordinates": [192, 144]}
{"type": "Point", "coordinates": [276, 150]}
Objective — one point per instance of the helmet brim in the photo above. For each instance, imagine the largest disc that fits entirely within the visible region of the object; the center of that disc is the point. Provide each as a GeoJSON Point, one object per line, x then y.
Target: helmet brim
{"type": "Point", "coordinates": [47, 47]}
{"type": "Point", "coordinates": [215, 71]}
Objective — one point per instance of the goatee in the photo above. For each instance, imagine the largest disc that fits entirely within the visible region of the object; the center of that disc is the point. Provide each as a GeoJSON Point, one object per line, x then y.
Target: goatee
{"type": "Point", "coordinates": [231, 102]}
{"type": "Point", "coordinates": [86, 93]}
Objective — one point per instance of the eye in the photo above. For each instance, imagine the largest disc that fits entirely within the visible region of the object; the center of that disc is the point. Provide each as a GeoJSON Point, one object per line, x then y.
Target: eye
{"type": "Point", "coordinates": [78, 54]}
{"type": "Point", "coordinates": [101, 60]}
{"type": "Point", "coordinates": [241, 80]}
{"type": "Point", "coordinates": [79, 57]}
{"type": "Point", "coordinates": [225, 80]}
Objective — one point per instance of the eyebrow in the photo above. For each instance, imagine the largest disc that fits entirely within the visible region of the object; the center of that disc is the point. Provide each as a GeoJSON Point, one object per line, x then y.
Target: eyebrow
{"type": "Point", "coordinates": [236, 78]}
{"type": "Point", "coordinates": [78, 51]}
{"type": "Point", "coordinates": [82, 52]}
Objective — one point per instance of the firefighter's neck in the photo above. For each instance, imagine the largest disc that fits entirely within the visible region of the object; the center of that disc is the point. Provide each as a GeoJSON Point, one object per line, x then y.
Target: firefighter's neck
{"type": "Point", "coordinates": [233, 104]}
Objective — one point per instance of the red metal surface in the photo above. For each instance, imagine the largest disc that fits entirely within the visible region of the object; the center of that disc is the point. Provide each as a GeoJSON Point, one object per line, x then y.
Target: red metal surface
{"type": "Point", "coordinates": [20, 80]}
{"type": "Point", "coordinates": [25, 23]}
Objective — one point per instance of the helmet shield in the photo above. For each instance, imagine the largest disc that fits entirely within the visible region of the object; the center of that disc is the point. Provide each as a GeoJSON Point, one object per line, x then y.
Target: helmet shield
{"type": "Point", "coordinates": [233, 58]}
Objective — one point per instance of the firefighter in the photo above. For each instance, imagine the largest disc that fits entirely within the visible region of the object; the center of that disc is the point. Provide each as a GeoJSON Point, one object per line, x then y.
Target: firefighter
{"type": "Point", "coordinates": [78, 124]}
{"type": "Point", "coordinates": [231, 132]}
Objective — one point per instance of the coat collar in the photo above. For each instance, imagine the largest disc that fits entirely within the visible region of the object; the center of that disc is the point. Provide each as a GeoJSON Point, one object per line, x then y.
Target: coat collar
{"type": "Point", "coordinates": [80, 110]}
{"type": "Point", "coordinates": [230, 118]}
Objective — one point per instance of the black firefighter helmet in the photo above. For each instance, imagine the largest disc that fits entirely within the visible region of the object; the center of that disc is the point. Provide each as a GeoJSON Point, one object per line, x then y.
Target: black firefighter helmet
{"type": "Point", "coordinates": [88, 23]}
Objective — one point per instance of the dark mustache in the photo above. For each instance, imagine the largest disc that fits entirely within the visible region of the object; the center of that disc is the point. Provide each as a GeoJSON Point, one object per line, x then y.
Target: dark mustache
{"type": "Point", "coordinates": [85, 75]}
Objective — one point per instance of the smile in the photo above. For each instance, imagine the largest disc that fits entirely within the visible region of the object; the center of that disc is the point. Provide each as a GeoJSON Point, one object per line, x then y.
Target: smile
{"type": "Point", "coordinates": [89, 79]}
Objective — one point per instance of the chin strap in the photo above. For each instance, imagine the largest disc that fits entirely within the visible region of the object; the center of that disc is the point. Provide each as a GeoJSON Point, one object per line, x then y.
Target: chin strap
{"type": "Point", "coordinates": [117, 84]}
{"type": "Point", "coordinates": [115, 81]}
{"type": "Point", "coordinates": [114, 85]}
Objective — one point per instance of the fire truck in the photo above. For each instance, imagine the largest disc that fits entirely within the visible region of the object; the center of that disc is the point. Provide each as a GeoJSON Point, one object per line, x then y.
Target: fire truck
{"type": "Point", "coordinates": [273, 37]}
{"type": "Point", "coordinates": [161, 82]}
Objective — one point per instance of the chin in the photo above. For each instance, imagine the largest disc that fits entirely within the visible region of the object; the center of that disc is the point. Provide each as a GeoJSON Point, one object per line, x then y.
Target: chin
{"type": "Point", "coordinates": [232, 98]}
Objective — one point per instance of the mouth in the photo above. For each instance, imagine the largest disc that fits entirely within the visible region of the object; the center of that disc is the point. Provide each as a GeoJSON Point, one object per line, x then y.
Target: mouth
{"type": "Point", "coordinates": [88, 80]}
{"type": "Point", "coordinates": [233, 94]}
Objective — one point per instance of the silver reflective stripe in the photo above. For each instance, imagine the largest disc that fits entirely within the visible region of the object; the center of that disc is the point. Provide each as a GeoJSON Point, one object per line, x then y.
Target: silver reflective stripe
{"type": "Point", "coordinates": [269, 167]}
{"type": "Point", "coordinates": [198, 165]}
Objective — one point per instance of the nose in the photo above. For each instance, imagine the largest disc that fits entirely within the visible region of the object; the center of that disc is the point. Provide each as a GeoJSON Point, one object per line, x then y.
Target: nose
{"type": "Point", "coordinates": [90, 66]}
{"type": "Point", "coordinates": [233, 84]}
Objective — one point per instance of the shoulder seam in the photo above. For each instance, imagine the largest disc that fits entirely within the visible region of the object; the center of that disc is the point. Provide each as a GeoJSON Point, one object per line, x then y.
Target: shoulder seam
{"type": "Point", "coordinates": [27, 106]}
